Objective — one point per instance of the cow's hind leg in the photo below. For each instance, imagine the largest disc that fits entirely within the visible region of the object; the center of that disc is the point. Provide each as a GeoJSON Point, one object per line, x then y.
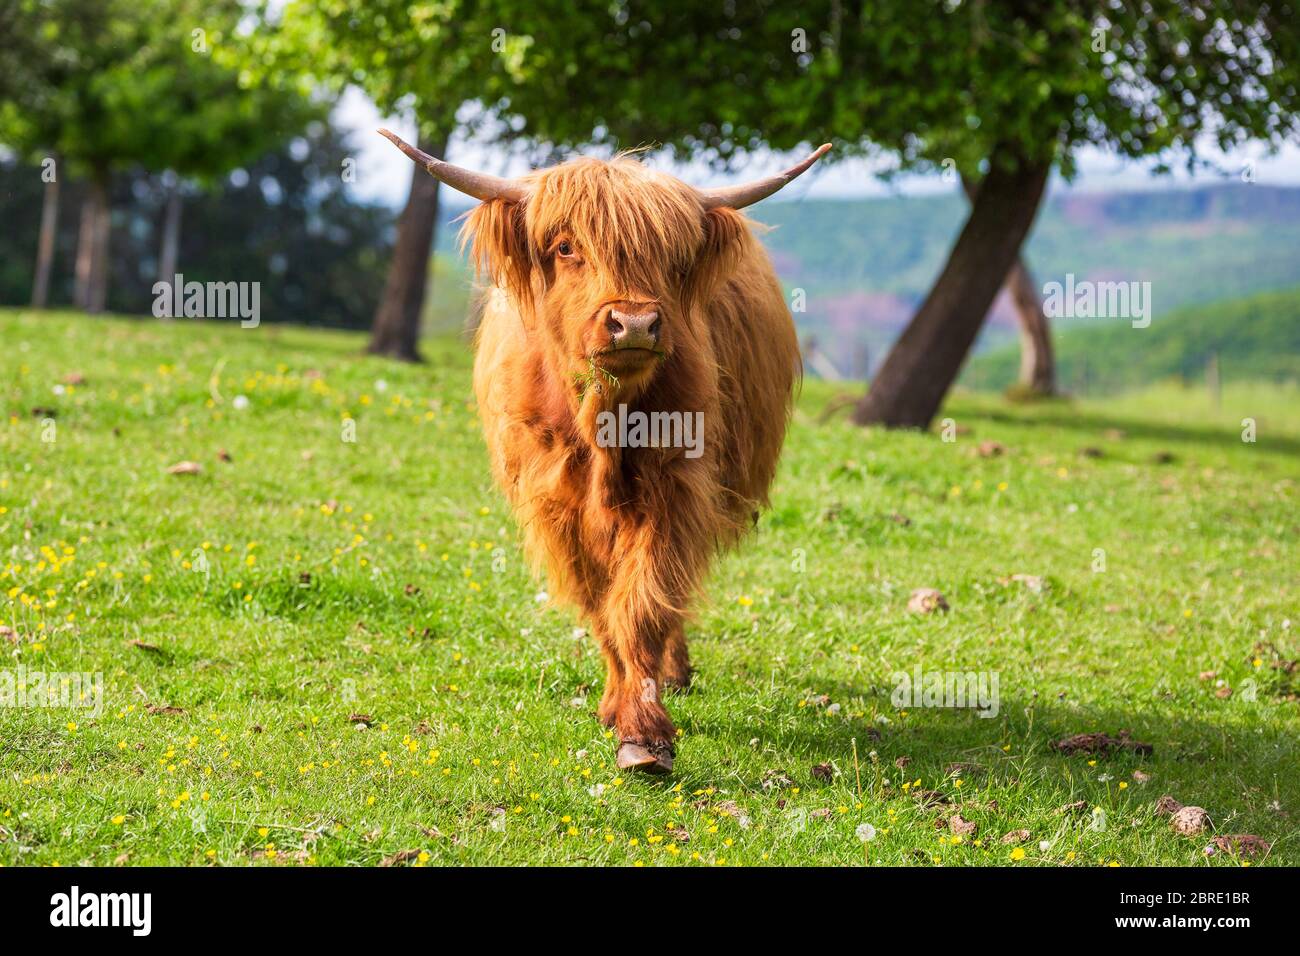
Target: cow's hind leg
{"type": "Point", "coordinates": [675, 670]}
{"type": "Point", "coordinates": [613, 684]}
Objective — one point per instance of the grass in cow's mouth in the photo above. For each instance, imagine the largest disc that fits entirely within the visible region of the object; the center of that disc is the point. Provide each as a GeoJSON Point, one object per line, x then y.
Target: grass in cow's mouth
{"type": "Point", "coordinates": [593, 374]}
{"type": "Point", "coordinates": [365, 672]}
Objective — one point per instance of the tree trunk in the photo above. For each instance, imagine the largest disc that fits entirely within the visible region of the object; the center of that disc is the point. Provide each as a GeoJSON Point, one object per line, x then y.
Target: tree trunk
{"type": "Point", "coordinates": [85, 251]}
{"type": "Point", "coordinates": [99, 273]}
{"type": "Point", "coordinates": [1037, 363]}
{"type": "Point", "coordinates": [924, 362]}
{"type": "Point", "coordinates": [395, 331]}
{"type": "Point", "coordinates": [45, 244]}
{"type": "Point", "coordinates": [91, 291]}
{"type": "Point", "coordinates": [171, 236]}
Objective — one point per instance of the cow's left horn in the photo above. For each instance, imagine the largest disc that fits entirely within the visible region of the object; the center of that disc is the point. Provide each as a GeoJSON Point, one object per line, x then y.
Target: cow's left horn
{"type": "Point", "coordinates": [482, 186]}
{"type": "Point", "coordinates": [746, 194]}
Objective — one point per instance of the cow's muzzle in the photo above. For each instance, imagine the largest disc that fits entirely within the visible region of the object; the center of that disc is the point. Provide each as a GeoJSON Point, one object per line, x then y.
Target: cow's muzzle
{"type": "Point", "coordinates": [633, 330]}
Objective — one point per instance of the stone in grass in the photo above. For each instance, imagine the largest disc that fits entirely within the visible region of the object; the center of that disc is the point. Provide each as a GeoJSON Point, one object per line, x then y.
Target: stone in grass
{"type": "Point", "coordinates": [1167, 805]}
{"type": "Point", "coordinates": [1189, 821]}
{"type": "Point", "coordinates": [1238, 844]}
{"type": "Point", "coordinates": [1100, 743]}
{"type": "Point", "coordinates": [960, 826]}
{"type": "Point", "coordinates": [926, 601]}
{"type": "Point", "coordinates": [185, 468]}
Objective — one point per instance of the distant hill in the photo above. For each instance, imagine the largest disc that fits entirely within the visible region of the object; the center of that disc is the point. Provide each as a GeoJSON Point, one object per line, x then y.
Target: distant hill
{"type": "Point", "coordinates": [1257, 337]}
{"type": "Point", "coordinates": [866, 264]}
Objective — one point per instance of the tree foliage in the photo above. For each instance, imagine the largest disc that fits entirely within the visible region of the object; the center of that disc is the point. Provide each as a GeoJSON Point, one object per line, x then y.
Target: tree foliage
{"type": "Point", "coordinates": [921, 81]}
{"type": "Point", "coordinates": [164, 84]}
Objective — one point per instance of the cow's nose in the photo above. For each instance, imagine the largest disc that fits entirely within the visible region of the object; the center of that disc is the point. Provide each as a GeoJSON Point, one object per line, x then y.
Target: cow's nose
{"type": "Point", "coordinates": [633, 330]}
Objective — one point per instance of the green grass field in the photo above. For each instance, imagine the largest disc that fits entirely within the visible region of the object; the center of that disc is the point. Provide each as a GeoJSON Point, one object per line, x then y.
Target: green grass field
{"type": "Point", "coordinates": [243, 616]}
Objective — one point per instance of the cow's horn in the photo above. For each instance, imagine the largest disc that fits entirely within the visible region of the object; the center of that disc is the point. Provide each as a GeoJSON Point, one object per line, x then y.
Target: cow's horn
{"type": "Point", "coordinates": [482, 186]}
{"type": "Point", "coordinates": [746, 194]}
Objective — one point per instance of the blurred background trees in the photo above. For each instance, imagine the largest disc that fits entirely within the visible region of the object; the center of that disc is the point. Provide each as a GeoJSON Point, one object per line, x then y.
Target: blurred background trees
{"type": "Point", "coordinates": [155, 85]}
{"type": "Point", "coordinates": [285, 220]}
{"type": "Point", "coordinates": [424, 62]}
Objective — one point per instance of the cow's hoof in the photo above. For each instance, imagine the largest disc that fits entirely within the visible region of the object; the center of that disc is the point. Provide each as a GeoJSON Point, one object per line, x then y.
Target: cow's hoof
{"type": "Point", "coordinates": [679, 683]}
{"type": "Point", "coordinates": [646, 757]}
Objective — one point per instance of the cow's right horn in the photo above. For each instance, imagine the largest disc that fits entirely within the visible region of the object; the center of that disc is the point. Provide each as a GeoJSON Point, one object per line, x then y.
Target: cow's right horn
{"type": "Point", "coordinates": [482, 186]}
{"type": "Point", "coordinates": [746, 194]}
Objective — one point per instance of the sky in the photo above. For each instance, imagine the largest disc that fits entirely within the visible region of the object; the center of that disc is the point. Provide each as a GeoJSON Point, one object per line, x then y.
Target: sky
{"type": "Point", "coordinates": [384, 174]}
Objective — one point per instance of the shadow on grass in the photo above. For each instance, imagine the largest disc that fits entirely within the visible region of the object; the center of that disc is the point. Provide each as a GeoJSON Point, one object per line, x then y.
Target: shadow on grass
{"type": "Point", "coordinates": [1234, 767]}
{"type": "Point", "coordinates": [1095, 425]}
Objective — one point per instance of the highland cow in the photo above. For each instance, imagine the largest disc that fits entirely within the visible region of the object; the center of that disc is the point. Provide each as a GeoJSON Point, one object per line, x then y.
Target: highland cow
{"type": "Point", "coordinates": [615, 285]}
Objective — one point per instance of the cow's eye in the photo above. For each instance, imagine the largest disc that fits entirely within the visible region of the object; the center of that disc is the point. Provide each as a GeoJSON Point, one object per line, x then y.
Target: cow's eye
{"type": "Point", "coordinates": [565, 249]}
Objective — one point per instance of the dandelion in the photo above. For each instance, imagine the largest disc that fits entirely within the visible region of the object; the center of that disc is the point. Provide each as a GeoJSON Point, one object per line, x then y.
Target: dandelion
{"type": "Point", "coordinates": [1018, 854]}
{"type": "Point", "coordinates": [866, 833]}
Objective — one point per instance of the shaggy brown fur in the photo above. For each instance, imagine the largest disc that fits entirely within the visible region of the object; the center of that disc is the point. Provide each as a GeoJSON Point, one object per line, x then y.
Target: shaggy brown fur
{"type": "Point", "coordinates": [627, 534]}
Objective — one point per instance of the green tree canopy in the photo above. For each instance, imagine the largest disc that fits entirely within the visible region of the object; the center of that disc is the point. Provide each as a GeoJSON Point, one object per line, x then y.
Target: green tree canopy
{"type": "Point", "coordinates": [999, 91]}
{"type": "Point", "coordinates": [159, 83]}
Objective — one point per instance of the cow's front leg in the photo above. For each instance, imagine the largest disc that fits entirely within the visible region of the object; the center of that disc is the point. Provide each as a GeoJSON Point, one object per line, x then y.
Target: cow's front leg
{"type": "Point", "coordinates": [645, 731]}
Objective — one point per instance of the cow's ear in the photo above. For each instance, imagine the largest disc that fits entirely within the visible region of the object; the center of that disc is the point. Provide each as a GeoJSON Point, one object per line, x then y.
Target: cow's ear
{"type": "Point", "coordinates": [497, 238]}
{"type": "Point", "coordinates": [727, 240]}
